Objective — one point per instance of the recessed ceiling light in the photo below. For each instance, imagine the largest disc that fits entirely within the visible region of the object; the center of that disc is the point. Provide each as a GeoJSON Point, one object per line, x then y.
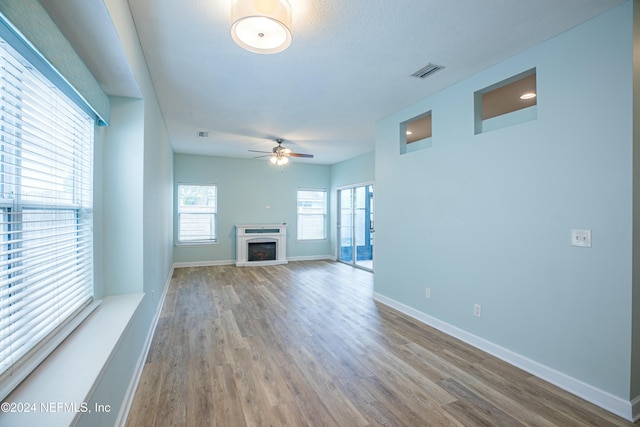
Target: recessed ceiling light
{"type": "Point", "coordinates": [528, 95]}
{"type": "Point", "coordinates": [409, 132]}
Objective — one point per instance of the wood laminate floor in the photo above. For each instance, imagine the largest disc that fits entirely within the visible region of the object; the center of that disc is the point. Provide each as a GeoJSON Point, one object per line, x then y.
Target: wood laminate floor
{"type": "Point", "coordinates": [304, 344]}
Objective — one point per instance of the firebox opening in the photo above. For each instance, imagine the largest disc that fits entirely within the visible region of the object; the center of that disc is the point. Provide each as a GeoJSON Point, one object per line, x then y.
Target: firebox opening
{"type": "Point", "coordinates": [262, 251]}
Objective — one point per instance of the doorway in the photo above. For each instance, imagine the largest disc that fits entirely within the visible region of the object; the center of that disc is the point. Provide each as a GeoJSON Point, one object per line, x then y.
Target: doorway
{"type": "Point", "coordinates": [355, 226]}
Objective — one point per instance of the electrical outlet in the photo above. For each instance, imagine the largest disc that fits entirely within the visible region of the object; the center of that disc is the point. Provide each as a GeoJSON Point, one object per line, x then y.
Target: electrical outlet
{"type": "Point", "coordinates": [477, 310]}
{"type": "Point", "coordinates": [581, 238]}
{"type": "Point", "coordinates": [427, 293]}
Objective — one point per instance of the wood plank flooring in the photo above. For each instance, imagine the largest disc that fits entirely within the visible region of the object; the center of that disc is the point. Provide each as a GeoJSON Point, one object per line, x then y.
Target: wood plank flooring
{"type": "Point", "coordinates": [304, 344]}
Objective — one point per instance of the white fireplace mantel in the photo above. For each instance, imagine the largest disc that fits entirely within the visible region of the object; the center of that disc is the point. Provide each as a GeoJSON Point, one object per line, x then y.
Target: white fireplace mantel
{"type": "Point", "coordinates": [247, 234]}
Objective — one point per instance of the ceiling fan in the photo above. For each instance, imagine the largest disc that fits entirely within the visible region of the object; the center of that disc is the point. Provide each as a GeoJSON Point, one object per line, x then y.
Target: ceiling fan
{"type": "Point", "coordinates": [279, 155]}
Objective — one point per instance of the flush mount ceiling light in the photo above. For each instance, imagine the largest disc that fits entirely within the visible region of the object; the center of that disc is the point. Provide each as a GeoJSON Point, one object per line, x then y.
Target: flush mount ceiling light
{"type": "Point", "coordinates": [261, 26]}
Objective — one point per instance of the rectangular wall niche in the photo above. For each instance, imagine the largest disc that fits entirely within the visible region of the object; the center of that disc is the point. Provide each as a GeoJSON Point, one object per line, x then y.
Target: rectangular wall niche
{"type": "Point", "coordinates": [415, 133]}
{"type": "Point", "coordinates": [506, 103]}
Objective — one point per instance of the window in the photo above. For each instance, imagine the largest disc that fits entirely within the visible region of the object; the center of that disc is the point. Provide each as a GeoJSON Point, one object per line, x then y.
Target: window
{"type": "Point", "coordinates": [46, 211]}
{"type": "Point", "coordinates": [312, 214]}
{"type": "Point", "coordinates": [197, 207]}
{"type": "Point", "coordinates": [509, 102]}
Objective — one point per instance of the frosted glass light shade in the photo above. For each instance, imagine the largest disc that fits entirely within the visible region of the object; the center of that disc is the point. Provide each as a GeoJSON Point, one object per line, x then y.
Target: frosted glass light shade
{"type": "Point", "coordinates": [278, 160]}
{"type": "Point", "coordinates": [261, 26]}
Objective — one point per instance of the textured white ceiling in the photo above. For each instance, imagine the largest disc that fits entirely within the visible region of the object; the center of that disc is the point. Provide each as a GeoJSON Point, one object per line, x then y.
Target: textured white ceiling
{"type": "Point", "coordinates": [349, 64]}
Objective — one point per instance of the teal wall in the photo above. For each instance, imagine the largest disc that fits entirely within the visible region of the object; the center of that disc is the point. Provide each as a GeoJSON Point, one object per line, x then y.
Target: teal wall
{"type": "Point", "coordinates": [635, 355]}
{"type": "Point", "coordinates": [133, 218]}
{"type": "Point", "coordinates": [33, 22]}
{"type": "Point", "coordinates": [357, 170]}
{"type": "Point", "coordinates": [249, 191]}
{"type": "Point", "coordinates": [122, 186]}
{"type": "Point", "coordinates": [486, 218]}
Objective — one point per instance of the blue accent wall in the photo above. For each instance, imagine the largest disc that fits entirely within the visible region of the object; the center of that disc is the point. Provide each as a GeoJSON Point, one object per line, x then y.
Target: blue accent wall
{"type": "Point", "coordinates": [486, 219]}
{"type": "Point", "coordinates": [250, 191]}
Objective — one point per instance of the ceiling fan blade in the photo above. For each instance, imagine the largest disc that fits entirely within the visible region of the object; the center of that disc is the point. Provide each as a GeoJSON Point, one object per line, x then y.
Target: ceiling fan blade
{"type": "Point", "coordinates": [308, 156]}
{"type": "Point", "coordinates": [257, 151]}
{"type": "Point", "coordinates": [264, 155]}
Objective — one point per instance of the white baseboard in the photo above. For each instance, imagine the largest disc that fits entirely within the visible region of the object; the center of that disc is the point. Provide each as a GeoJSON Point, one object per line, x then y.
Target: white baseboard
{"type": "Point", "coordinates": [233, 262]}
{"type": "Point", "coordinates": [635, 409]}
{"type": "Point", "coordinates": [137, 373]}
{"type": "Point", "coordinates": [623, 408]}
{"type": "Point", "coordinates": [203, 263]}
{"type": "Point", "coordinates": [312, 258]}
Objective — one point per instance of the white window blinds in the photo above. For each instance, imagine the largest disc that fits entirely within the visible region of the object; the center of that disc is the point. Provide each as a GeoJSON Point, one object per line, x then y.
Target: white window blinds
{"type": "Point", "coordinates": [312, 214]}
{"type": "Point", "coordinates": [197, 208]}
{"type": "Point", "coordinates": [46, 248]}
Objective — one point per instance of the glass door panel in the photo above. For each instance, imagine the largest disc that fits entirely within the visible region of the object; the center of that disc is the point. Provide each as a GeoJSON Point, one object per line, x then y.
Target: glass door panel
{"type": "Point", "coordinates": [345, 227]}
{"type": "Point", "coordinates": [355, 229]}
{"type": "Point", "coordinates": [362, 226]}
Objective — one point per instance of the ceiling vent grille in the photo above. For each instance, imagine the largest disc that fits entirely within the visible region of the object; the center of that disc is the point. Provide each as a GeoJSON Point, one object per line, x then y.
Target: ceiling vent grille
{"type": "Point", "coordinates": [427, 70]}
{"type": "Point", "coordinates": [203, 134]}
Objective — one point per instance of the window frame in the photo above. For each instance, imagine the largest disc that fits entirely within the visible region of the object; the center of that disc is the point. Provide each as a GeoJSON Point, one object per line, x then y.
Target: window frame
{"type": "Point", "coordinates": [213, 212]}
{"type": "Point", "coordinates": [46, 213]}
{"type": "Point", "coordinates": [300, 215]}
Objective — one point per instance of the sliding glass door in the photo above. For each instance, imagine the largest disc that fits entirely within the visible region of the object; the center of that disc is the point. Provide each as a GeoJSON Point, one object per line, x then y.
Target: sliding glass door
{"type": "Point", "coordinates": [355, 226]}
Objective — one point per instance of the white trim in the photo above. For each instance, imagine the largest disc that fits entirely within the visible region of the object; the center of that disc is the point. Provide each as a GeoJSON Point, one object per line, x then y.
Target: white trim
{"type": "Point", "coordinates": [233, 262]}
{"type": "Point", "coordinates": [47, 347]}
{"type": "Point", "coordinates": [360, 184]}
{"type": "Point", "coordinates": [203, 243]}
{"type": "Point", "coordinates": [635, 409]}
{"type": "Point", "coordinates": [312, 258]}
{"type": "Point", "coordinates": [621, 407]}
{"type": "Point", "coordinates": [121, 419]}
{"type": "Point", "coordinates": [101, 332]}
{"type": "Point", "coordinates": [203, 263]}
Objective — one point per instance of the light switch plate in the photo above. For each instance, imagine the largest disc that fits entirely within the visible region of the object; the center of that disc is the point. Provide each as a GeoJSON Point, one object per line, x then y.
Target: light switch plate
{"type": "Point", "coordinates": [581, 238]}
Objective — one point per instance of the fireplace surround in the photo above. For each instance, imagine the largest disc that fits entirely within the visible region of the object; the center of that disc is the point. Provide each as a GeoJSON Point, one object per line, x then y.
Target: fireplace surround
{"type": "Point", "coordinates": [261, 244]}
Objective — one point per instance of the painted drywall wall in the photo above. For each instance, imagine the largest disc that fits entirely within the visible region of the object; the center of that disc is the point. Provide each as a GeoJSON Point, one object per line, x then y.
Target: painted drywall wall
{"type": "Point", "coordinates": [122, 198]}
{"type": "Point", "coordinates": [249, 191]}
{"type": "Point", "coordinates": [355, 171]}
{"type": "Point", "coordinates": [635, 355]}
{"type": "Point", "coordinates": [486, 219]}
{"type": "Point", "coordinates": [33, 21]}
{"type": "Point", "coordinates": [135, 194]}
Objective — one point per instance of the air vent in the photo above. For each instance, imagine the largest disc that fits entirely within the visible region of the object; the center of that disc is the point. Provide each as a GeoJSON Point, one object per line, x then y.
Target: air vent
{"type": "Point", "coordinates": [427, 70]}
{"type": "Point", "coordinates": [203, 134]}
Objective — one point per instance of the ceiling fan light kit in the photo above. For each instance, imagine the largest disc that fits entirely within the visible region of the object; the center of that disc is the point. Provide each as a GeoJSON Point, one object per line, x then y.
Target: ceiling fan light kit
{"type": "Point", "coordinates": [279, 155]}
{"type": "Point", "coordinates": [261, 26]}
{"type": "Point", "coordinates": [279, 159]}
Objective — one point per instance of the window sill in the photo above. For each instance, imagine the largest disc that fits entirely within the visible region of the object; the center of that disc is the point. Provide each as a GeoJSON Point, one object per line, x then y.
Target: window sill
{"type": "Point", "coordinates": [182, 244]}
{"type": "Point", "coordinates": [311, 240]}
{"type": "Point", "coordinates": [59, 389]}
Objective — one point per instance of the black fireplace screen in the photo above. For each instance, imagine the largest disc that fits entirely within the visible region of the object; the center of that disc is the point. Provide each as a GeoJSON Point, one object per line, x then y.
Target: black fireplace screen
{"type": "Point", "coordinates": [262, 251]}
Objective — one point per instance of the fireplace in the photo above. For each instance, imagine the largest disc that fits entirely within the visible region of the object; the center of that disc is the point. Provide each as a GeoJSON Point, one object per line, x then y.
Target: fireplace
{"type": "Point", "coordinates": [261, 244]}
{"type": "Point", "coordinates": [257, 251]}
